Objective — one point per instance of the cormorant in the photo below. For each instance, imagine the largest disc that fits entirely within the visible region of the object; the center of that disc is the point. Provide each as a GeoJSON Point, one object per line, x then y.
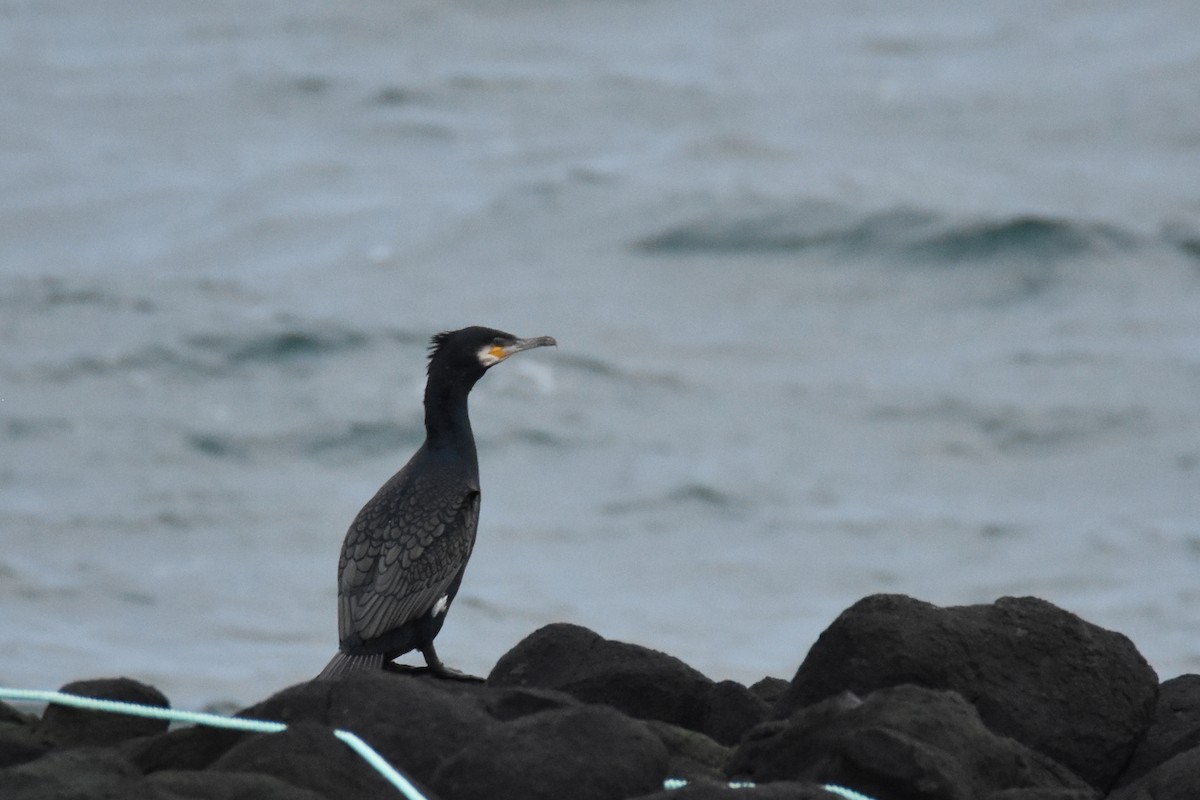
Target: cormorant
{"type": "Point", "coordinates": [404, 555]}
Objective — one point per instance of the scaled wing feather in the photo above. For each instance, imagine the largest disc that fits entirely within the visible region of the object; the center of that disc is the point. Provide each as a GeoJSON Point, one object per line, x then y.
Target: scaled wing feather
{"type": "Point", "coordinates": [377, 593]}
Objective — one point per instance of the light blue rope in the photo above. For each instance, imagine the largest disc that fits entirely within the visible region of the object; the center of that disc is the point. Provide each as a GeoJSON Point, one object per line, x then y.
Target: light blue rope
{"type": "Point", "coordinates": [372, 757]}
{"type": "Point", "coordinates": [849, 794]}
{"type": "Point", "coordinates": [138, 710]}
{"type": "Point", "coordinates": [833, 788]}
{"type": "Point", "coordinates": [679, 783]}
{"type": "Point", "coordinates": [368, 753]}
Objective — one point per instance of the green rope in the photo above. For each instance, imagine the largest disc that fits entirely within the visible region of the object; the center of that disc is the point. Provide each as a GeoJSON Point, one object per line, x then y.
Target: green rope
{"type": "Point", "coordinates": [368, 753]}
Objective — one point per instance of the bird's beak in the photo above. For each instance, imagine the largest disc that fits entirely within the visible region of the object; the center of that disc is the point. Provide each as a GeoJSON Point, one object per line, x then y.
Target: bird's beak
{"type": "Point", "coordinates": [503, 352]}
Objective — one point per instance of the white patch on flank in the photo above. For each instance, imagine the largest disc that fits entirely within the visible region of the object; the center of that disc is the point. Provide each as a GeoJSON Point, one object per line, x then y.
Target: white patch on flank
{"type": "Point", "coordinates": [441, 605]}
{"type": "Point", "coordinates": [485, 356]}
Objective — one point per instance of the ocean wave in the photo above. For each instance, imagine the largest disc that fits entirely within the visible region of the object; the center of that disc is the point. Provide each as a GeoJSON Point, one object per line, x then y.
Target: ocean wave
{"type": "Point", "coordinates": [595, 367]}
{"type": "Point", "coordinates": [902, 233]}
{"type": "Point", "coordinates": [221, 354]}
{"type": "Point", "coordinates": [283, 346]}
{"type": "Point", "coordinates": [589, 364]}
{"type": "Point", "coordinates": [51, 292]}
{"type": "Point", "coordinates": [799, 226]}
{"type": "Point", "coordinates": [688, 494]}
{"type": "Point", "coordinates": [352, 440]}
{"type": "Point", "coordinates": [537, 437]}
{"type": "Point", "coordinates": [147, 358]}
{"type": "Point", "coordinates": [1011, 429]}
{"type": "Point", "coordinates": [35, 427]}
{"type": "Point", "coordinates": [1024, 236]}
{"type": "Point", "coordinates": [1184, 236]}
{"type": "Point", "coordinates": [364, 438]}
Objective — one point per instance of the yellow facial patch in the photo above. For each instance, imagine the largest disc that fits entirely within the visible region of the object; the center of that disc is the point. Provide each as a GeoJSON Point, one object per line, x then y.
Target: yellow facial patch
{"type": "Point", "coordinates": [497, 352]}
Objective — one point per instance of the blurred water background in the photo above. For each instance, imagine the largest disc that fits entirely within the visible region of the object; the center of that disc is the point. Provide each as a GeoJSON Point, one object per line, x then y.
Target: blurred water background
{"type": "Point", "coordinates": [851, 298]}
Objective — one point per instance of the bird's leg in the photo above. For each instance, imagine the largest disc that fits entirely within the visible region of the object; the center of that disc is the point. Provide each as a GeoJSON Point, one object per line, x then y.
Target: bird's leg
{"type": "Point", "coordinates": [440, 670]}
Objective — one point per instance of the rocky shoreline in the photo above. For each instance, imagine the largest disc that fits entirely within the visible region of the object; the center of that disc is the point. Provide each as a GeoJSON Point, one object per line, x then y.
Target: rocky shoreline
{"type": "Point", "coordinates": [897, 700]}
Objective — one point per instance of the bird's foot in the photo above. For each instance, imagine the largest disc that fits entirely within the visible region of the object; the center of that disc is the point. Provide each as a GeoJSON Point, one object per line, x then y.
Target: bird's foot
{"type": "Point", "coordinates": [440, 670]}
{"type": "Point", "coordinates": [451, 674]}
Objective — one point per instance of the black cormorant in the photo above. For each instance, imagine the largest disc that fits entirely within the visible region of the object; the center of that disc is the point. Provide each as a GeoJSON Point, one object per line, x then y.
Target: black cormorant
{"type": "Point", "coordinates": [404, 555]}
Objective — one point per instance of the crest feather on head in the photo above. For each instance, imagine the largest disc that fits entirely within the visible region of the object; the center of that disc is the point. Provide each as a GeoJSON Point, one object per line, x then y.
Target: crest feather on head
{"type": "Point", "coordinates": [435, 344]}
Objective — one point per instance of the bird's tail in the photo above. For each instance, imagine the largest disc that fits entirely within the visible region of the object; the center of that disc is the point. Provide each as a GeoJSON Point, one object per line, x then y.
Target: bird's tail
{"type": "Point", "coordinates": [344, 663]}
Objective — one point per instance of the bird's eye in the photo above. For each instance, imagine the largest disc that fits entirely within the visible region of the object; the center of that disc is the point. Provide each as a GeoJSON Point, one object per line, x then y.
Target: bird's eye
{"type": "Point", "coordinates": [498, 340]}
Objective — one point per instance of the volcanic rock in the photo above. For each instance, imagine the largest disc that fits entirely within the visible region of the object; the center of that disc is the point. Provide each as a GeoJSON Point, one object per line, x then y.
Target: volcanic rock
{"type": "Point", "coordinates": [1175, 729]}
{"type": "Point", "coordinates": [903, 741]}
{"type": "Point", "coordinates": [1076, 692]}
{"type": "Point", "coordinates": [641, 682]}
{"type": "Point", "coordinates": [67, 726]}
{"type": "Point", "coordinates": [585, 753]}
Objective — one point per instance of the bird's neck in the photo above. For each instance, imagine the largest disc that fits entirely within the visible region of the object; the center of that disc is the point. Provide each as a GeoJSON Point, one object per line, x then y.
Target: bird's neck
{"type": "Point", "coordinates": [446, 422]}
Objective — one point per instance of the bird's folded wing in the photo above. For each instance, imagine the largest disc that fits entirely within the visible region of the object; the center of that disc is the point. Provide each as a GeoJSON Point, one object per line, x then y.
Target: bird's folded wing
{"type": "Point", "coordinates": [394, 575]}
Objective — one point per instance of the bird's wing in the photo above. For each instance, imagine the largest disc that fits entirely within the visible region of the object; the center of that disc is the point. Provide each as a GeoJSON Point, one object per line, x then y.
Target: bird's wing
{"type": "Point", "coordinates": [393, 569]}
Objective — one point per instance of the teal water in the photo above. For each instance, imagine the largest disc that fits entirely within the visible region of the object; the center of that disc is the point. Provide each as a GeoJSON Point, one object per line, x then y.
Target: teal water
{"type": "Point", "coordinates": [848, 300]}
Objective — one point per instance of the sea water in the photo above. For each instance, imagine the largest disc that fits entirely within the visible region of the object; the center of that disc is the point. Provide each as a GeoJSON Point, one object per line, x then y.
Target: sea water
{"type": "Point", "coordinates": [850, 298]}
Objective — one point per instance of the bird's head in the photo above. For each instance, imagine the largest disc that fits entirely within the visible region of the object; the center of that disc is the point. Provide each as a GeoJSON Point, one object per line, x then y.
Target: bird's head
{"type": "Point", "coordinates": [473, 350]}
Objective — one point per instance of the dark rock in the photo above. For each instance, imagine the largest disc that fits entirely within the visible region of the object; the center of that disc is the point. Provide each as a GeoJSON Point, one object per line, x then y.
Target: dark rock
{"type": "Point", "coordinates": [309, 757]}
{"type": "Point", "coordinates": [65, 726]}
{"type": "Point", "coordinates": [1042, 794]}
{"type": "Point", "coordinates": [1178, 778]}
{"type": "Point", "coordinates": [769, 690]}
{"type": "Point", "coordinates": [414, 723]}
{"type": "Point", "coordinates": [9, 715]}
{"type": "Point", "coordinates": [730, 710]}
{"type": "Point", "coordinates": [19, 741]}
{"type": "Point", "coordinates": [564, 655]}
{"type": "Point", "coordinates": [584, 753]}
{"type": "Point", "coordinates": [181, 749]}
{"type": "Point", "coordinates": [721, 790]}
{"type": "Point", "coordinates": [177, 785]}
{"type": "Point", "coordinates": [691, 755]}
{"type": "Point", "coordinates": [505, 705]}
{"type": "Point", "coordinates": [557, 719]}
{"type": "Point", "coordinates": [84, 773]}
{"type": "Point", "coordinates": [19, 744]}
{"type": "Point", "coordinates": [310, 701]}
{"type": "Point", "coordinates": [904, 741]}
{"type": "Point", "coordinates": [1175, 729]}
{"type": "Point", "coordinates": [643, 683]}
{"type": "Point", "coordinates": [1069, 689]}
